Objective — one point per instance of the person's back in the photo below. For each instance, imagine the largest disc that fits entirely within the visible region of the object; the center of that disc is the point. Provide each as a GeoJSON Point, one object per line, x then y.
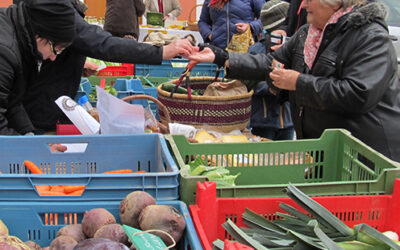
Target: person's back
{"type": "Point", "coordinates": [217, 24]}
{"type": "Point", "coordinates": [121, 17]}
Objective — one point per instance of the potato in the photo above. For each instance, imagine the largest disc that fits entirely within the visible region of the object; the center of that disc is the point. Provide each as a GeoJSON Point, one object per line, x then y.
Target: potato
{"type": "Point", "coordinates": [100, 243]}
{"type": "Point", "coordinates": [74, 231]}
{"type": "Point", "coordinates": [132, 205]}
{"type": "Point", "coordinates": [3, 228]}
{"type": "Point", "coordinates": [114, 232]}
{"type": "Point", "coordinates": [7, 246]}
{"type": "Point", "coordinates": [95, 219]}
{"type": "Point", "coordinates": [63, 243]}
{"type": "Point", "coordinates": [165, 218]}
{"type": "Point", "coordinates": [32, 245]}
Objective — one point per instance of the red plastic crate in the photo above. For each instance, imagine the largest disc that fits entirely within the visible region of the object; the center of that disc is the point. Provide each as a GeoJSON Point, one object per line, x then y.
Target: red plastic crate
{"type": "Point", "coordinates": [124, 70]}
{"type": "Point", "coordinates": [210, 212]}
{"type": "Point", "coordinates": [67, 129]}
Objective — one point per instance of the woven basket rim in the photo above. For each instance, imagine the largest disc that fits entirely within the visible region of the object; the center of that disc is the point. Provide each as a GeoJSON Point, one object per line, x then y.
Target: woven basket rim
{"type": "Point", "coordinates": [202, 98]}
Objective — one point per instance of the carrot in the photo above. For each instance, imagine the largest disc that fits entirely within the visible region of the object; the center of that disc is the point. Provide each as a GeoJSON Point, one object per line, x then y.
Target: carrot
{"type": "Point", "coordinates": [140, 172]}
{"type": "Point", "coordinates": [77, 192]}
{"type": "Point", "coordinates": [57, 188]}
{"type": "Point", "coordinates": [73, 188]}
{"type": "Point", "coordinates": [119, 171]}
{"type": "Point", "coordinates": [41, 188]}
{"type": "Point", "coordinates": [51, 193]}
{"type": "Point", "coordinates": [32, 167]}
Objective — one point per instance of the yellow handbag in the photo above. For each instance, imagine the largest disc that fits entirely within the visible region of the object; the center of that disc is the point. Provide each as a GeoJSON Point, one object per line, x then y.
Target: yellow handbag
{"type": "Point", "coordinates": [241, 42]}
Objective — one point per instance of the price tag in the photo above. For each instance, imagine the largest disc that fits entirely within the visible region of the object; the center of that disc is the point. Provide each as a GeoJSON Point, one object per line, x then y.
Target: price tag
{"type": "Point", "coordinates": [142, 240]}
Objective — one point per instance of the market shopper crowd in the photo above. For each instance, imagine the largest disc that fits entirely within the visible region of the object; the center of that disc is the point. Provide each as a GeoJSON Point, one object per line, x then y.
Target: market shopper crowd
{"type": "Point", "coordinates": [340, 69]}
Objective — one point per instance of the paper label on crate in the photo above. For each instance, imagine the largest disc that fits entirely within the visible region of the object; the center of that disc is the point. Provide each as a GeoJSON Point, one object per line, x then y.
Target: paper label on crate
{"type": "Point", "coordinates": [143, 240]}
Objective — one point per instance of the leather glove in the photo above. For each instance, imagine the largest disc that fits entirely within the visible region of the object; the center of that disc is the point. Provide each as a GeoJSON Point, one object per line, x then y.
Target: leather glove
{"type": "Point", "coordinates": [220, 55]}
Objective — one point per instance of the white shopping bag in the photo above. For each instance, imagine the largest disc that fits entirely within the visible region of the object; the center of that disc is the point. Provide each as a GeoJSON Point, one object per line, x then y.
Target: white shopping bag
{"type": "Point", "coordinates": [117, 116]}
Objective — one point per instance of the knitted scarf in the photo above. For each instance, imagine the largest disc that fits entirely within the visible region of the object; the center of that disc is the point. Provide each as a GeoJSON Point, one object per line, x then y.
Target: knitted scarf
{"type": "Point", "coordinates": [314, 37]}
{"type": "Point", "coordinates": [218, 4]}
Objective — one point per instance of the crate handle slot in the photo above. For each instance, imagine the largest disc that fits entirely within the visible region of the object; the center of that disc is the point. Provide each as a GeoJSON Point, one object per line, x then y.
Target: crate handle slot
{"type": "Point", "coordinates": [54, 148]}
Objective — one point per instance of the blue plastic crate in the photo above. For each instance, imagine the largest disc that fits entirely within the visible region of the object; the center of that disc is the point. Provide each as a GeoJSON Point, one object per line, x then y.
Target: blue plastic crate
{"type": "Point", "coordinates": [147, 152]}
{"type": "Point", "coordinates": [27, 220]}
{"type": "Point", "coordinates": [174, 68]}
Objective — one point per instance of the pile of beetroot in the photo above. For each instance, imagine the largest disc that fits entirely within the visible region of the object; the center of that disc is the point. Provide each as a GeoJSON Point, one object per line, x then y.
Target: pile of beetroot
{"type": "Point", "coordinates": [99, 229]}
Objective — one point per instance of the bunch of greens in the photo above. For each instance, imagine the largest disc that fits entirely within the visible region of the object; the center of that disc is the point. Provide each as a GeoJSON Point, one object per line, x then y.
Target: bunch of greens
{"type": "Point", "coordinates": [220, 175]}
{"type": "Point", "coordinates": [100, 62]}
{"type": "Point", "coordinates": [298, 230]}
{"type": "Point", "coordinates": [93, 95]}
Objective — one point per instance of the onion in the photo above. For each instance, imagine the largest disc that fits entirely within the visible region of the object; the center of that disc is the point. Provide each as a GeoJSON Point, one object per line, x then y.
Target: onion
{"type": "Point", "coordinates": [391, 235]}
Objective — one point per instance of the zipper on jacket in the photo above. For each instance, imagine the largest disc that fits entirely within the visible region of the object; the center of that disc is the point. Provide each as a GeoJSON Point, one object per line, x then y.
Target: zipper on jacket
{"type": "Point", "coordinates": [301, 111]}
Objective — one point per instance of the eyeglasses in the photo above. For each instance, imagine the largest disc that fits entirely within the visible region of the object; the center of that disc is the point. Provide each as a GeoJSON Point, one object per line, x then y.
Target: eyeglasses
{"type": "Point", "coordinates": [53, 49]}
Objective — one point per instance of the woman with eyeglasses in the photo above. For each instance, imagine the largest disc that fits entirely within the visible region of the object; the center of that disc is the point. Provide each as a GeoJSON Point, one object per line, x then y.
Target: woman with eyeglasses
{"type": "Point", "coordinates": [340, 71]}
{"type": "Point", "coordinates": [29, 34]}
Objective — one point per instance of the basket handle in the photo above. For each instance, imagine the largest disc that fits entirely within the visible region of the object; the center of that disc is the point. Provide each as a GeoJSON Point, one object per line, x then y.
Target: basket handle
{"type": "Point", "coordinates": [159, 104]}
{"type": "Point", "coordinates": [191, 11]}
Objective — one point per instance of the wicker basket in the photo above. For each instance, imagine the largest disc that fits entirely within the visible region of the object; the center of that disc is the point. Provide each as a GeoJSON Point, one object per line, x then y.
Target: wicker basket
{"type": "Point", "coordinates": [219, 113]}
{"type": "Point", "coordinates": [192, 24]}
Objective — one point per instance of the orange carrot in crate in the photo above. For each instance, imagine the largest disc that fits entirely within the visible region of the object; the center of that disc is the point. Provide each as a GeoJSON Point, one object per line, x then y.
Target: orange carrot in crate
{"type": "Point", "coordinates": [32, 167]}
{"type": "Point", "coordinates": [119, 171]}
{"type": "Point", "coordinates": [68, 189]}
{"type": "Point", "coordinates": [77, 192]}
{"type": "Point", "coordinates": [57, 188]}
{"type": "Point", "coordinates": [42, 188]}
{"type": "Point", "coordinates": [51, 193]}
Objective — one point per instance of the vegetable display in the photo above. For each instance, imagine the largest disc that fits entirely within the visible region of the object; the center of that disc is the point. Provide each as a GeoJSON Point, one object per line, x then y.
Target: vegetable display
{"type": "Point", "coordinates": [316, 229]}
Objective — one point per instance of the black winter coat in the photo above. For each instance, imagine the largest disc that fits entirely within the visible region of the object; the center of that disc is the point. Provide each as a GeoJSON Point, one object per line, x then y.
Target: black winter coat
{"type": "Point", "coordinates": [18, 64]}
{"type": "Point", "coordinates": [353, 83]}
{"type": "Point", "coordinates": [122, 17]}
{"type": "Point", "coordinates": [90, 41]}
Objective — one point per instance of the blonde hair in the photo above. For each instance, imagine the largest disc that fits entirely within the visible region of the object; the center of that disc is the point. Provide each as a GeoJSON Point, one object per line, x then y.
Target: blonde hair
{"type": "Point", "coordinates": [344, 4]}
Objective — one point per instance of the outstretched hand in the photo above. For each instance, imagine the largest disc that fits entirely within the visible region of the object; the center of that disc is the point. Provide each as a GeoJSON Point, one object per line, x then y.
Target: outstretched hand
{"type": "Point", "coordinates": [178, 47]}
{"type": "Point", "coordinates": [205, 55]}
{"type": "Point", "coordinates": [284, 78]}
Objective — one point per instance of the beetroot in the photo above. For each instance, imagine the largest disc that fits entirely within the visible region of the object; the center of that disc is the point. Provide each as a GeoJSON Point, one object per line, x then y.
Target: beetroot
{"type": "Point", "coordinates": [32, 245]}
{"type": "Point", "coordinates": [132, 205]}
{"type": "Point", "coordinates": [95, 219]}
{"type": "Point", "coordinates": [7, 246]}
{"type": "Point", "coordinates": [114, 232]}
{"type": "Point", "coordinates": [63, 243]}
{"type": "Point", "coordinates": [101, 244]}
{"type": "Point", "coordinates": [165, 218]}
{"type": "Point", "coordinates": [74, 231]}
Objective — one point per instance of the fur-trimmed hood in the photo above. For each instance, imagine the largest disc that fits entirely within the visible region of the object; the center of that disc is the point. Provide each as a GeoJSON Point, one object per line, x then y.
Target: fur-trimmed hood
{"type": "Point", "coordinates": [368, 13]}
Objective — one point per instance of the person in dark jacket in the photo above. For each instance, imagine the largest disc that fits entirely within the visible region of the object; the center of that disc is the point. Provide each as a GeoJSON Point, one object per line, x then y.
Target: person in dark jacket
{"type": "Point", "coordinates": [122, 17]}
{"type": "Point", "coordinates": [340, 72]}
{"type": "Point", "coordinates": [296, 17]}
{"type": "Point", "coordinates": [91, 41]}
{"type": "Point", "coordinates": [269, 117]}
{"type": "Point", "coordinates": [221, 19]}
{"type": "Point", "coordinates": [29, 34]}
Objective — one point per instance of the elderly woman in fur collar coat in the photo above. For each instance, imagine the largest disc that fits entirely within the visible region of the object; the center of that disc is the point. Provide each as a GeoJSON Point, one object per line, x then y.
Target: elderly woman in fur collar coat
{"type": "Point", "coordinates": [340, 71]}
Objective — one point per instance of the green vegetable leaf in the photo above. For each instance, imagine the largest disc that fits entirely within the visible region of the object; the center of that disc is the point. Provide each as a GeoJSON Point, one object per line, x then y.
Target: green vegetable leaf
{"type": "Point", "coordinates": [240, 236]}
{"type": "Point", "coordinates": [329, 243]}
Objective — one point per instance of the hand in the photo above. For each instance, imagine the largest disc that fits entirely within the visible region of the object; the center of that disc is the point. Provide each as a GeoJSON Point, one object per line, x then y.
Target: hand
{"type": "Point", "coordinates": [178, 47]}
{"type": "Point", "coordinates": [57, 148]}
{"type": "Point", "coordinates": [89, 69]}
{"type": "Point", "coordinates": [220, 56]}
{"type": "Point", "coordinates": [166, 17]}
{"type": "Point", "coordinates": [242, 27]}
{"type": "Point", "coordinates": [275, 47]}
{"type": "Point", "coordinates": [284, 78]}
{"type": "Point", "coordinates": [205, 55]}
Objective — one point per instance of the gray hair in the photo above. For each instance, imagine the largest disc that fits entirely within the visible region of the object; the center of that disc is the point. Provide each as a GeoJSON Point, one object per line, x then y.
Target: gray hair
{"type": "Point", "coordinates": [344, 4]}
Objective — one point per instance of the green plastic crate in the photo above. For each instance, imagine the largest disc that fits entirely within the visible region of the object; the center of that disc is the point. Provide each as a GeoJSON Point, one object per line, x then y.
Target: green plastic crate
{"type": "Point", "coordinates": [335, 164]}
{"type": "Point", "coordinates": [95, 80]}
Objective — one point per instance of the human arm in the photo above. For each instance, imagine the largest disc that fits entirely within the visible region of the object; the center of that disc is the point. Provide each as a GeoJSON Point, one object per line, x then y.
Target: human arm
{"type": "Point", "coordinates": [176, 8]}
{"type": "Point", "coordinates": [13, 118]}
{"type": "Point", "coordinates": [366, 73]}
{"type": "Point", "coordinates": [94, 42]}
{"type": "Point", "coordinates": [205, 22]}
{"type": "Point", "coordinates": [255, 25]}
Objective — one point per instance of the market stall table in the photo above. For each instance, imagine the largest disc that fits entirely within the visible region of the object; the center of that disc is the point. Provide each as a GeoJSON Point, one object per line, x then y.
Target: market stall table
{"type": "Point", "coordinates": [145, 30]}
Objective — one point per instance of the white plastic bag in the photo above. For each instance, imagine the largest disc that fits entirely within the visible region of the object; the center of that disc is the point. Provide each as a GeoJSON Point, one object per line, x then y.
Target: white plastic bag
{"type": "Point", "coordinates": [117, 116]}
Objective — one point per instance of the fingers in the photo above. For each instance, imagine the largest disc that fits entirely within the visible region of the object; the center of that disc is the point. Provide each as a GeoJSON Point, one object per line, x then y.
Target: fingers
{"type": "Point", "coordinates": [275, 47]}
